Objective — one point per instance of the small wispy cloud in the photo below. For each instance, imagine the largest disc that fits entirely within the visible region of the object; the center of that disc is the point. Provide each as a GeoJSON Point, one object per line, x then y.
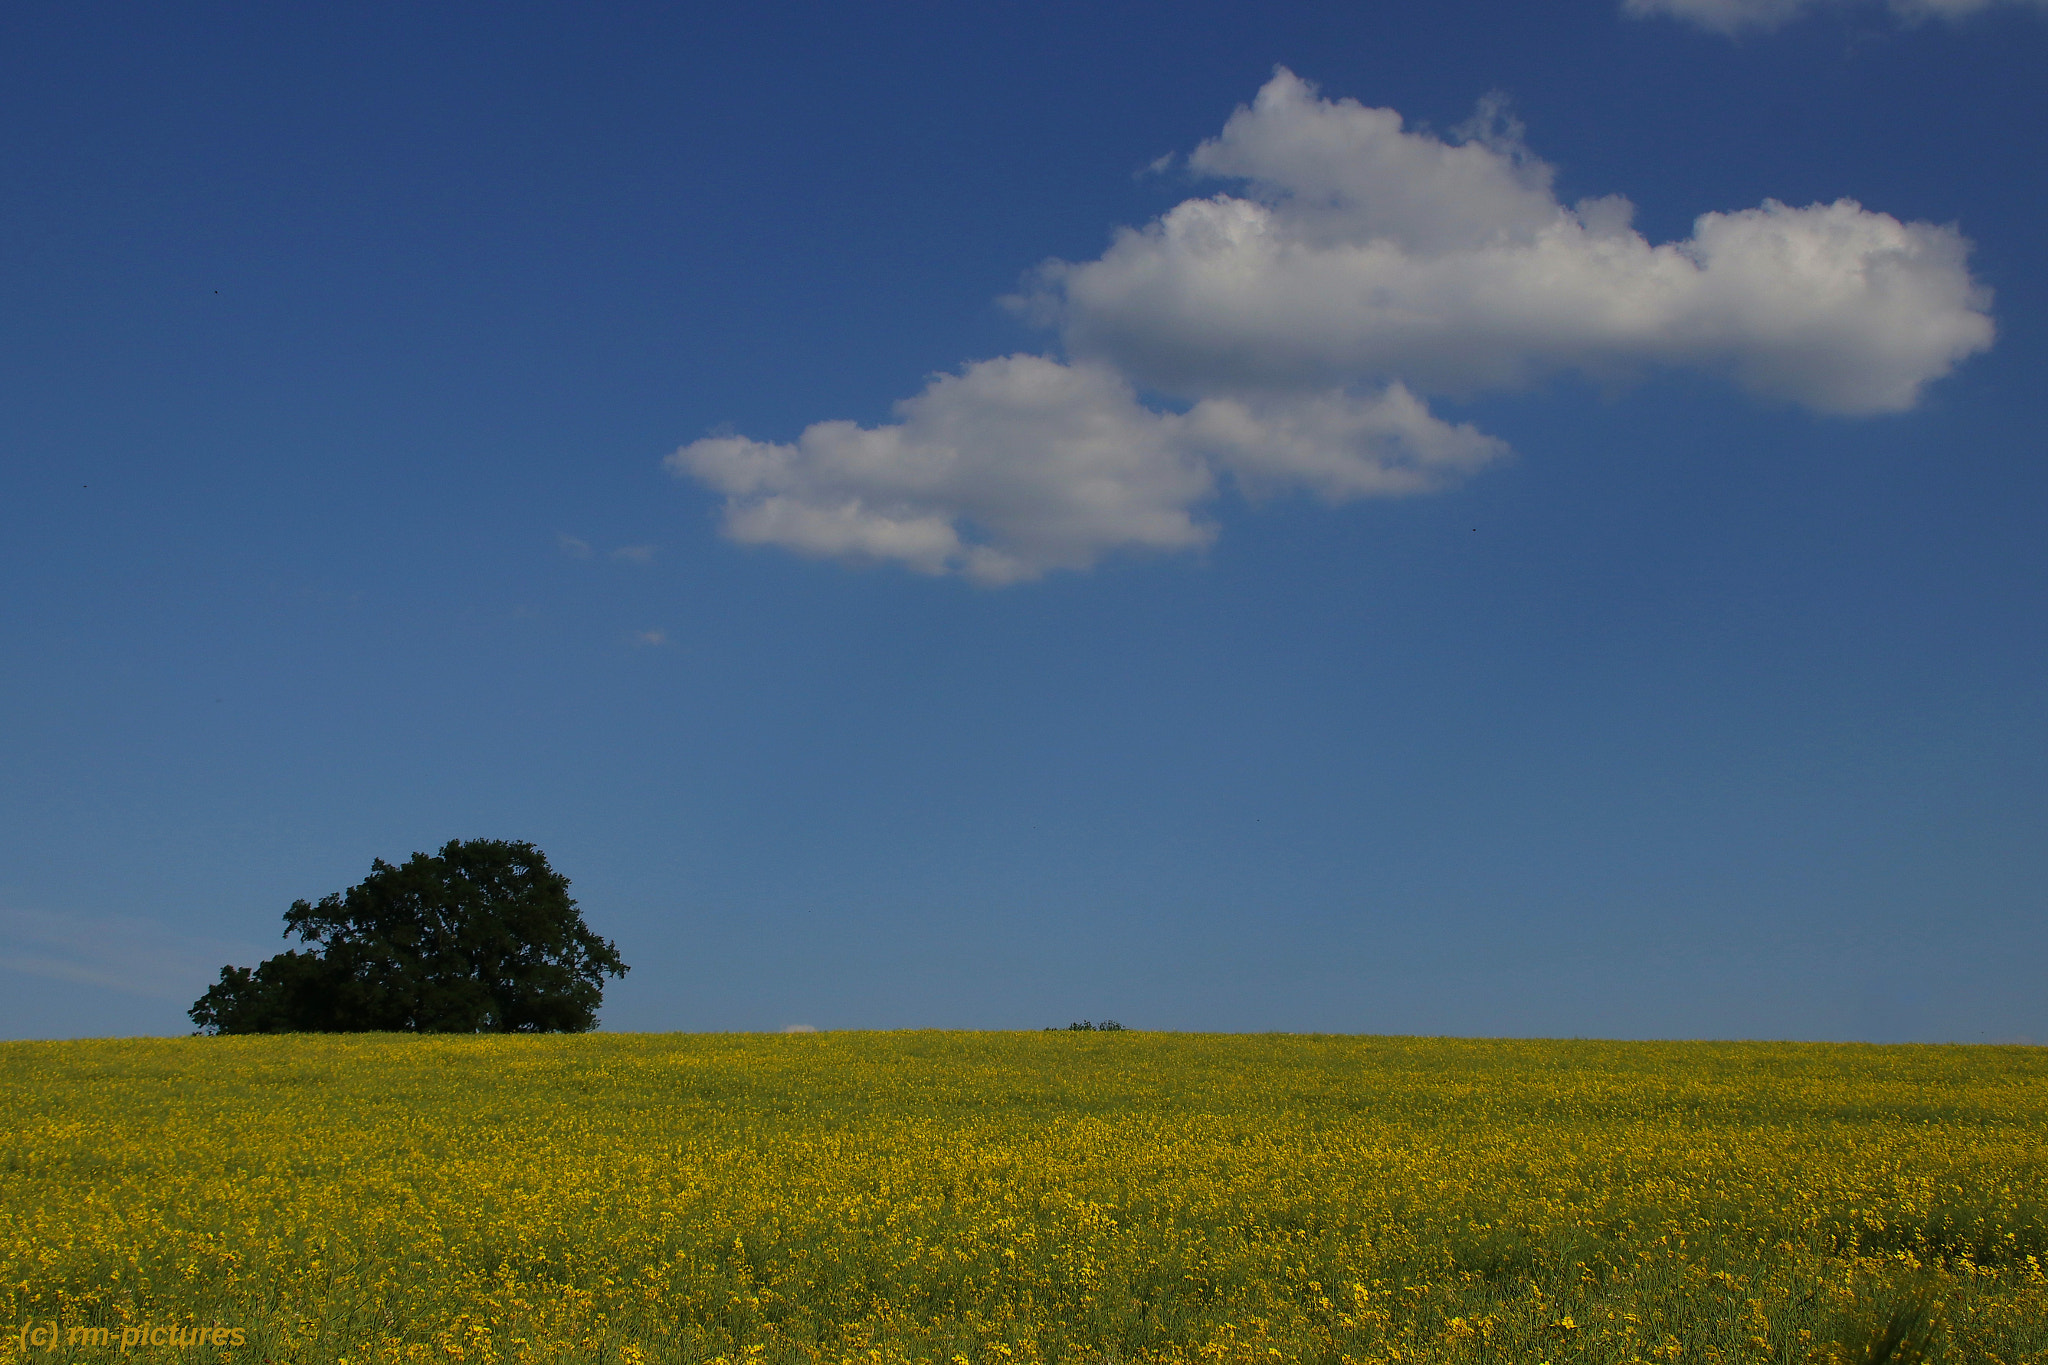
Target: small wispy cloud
{"type": "Point", "coordinates": [138, 957]}
{"type": "Point", "coordinates": [651, 638]}
{"type": "Point", "coordinates": [635, 554]}
{"type": "Point", "coordinates": [572, 546]}
{"type": "Point", "coordinates": [1733, 16]}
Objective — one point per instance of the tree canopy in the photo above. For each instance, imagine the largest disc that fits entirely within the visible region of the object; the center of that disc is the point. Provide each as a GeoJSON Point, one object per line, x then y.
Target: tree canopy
{"type": "Point", "coordinates": [479, 938]}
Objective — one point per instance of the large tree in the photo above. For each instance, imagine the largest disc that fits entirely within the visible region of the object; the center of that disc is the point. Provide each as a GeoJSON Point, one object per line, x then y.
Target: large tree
{"type": "Point", "coordinates": [479, 938]}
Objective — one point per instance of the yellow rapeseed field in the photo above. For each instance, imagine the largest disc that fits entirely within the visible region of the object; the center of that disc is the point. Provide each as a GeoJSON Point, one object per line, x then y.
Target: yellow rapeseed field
{"type": "Point", "coordinates": [974, 1198]}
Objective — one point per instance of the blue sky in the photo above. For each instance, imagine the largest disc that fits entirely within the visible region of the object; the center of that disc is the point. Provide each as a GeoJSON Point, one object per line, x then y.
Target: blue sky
{"type": "Point", "coordinates": [982, 516]}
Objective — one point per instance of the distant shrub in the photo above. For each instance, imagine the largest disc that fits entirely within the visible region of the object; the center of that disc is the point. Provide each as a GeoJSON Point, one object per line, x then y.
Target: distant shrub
{"type": "Point", "coordinates": [1106, 1026]}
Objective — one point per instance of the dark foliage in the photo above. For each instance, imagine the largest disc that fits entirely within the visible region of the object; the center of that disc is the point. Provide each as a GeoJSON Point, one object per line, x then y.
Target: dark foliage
{"type": "Point", "coordinates": [1909, 1334]}
{"type": "Point", "coordinates": [1106, 1026]}
{"type": "Point", "coordinates": [479, 938]}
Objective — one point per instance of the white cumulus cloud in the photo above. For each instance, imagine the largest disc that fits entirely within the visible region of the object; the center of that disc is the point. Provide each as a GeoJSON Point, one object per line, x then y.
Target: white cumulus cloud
{"type": "Point", "coordinates": [1022, 465]}
{"type": "Point", "coordinates": [1733, 16]}
{"type": "Point", "coordinates": [1011, 468]}
{"type": "Point", "coordinates": [1337, 444]}
{"type": "Point", "coordinates": [1291, 328]}
{"type": "Point", "coordinates": [1361, 251]}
